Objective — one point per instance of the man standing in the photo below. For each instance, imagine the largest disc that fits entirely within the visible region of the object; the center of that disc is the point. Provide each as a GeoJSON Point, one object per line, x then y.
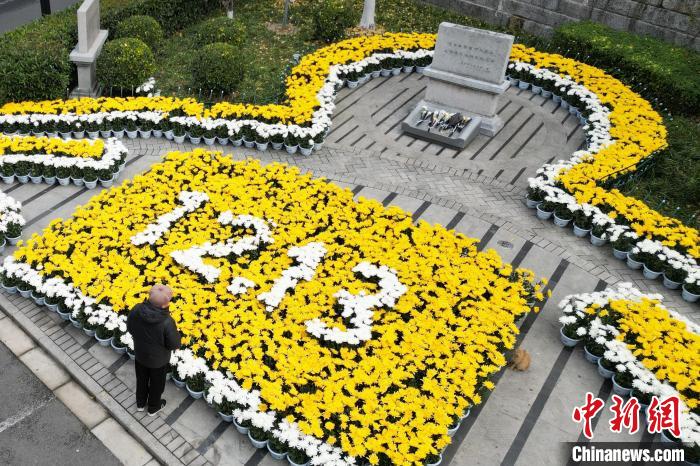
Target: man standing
{"type": "Point", "coordinates": [155, 336]}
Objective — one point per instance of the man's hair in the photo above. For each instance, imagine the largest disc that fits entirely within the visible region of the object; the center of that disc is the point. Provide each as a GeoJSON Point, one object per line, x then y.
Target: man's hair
{"type": "Point", "coordinates": [160, 295]}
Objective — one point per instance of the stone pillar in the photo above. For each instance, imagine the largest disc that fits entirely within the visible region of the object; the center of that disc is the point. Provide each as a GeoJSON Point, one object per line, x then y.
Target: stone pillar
{"type": "Point", "coordinates": [90, 41]}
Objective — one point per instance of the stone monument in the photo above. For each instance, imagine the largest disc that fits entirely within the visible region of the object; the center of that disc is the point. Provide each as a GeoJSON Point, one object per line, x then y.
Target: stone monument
{"type": "Point", "coordinates": [90, 41]}
{"type": "Point", "coordinates": [466, 79]}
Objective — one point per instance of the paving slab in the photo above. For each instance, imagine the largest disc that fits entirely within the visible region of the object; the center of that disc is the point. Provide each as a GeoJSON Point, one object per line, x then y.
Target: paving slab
{"type": "Point", "coordinates": [14, 338]}
{"type": "Point", "coordinates": [126, 449]}
{"type": "Point", "coordinates": [45, 368]}
{"type": "Point", "coordinates": [81, 404]}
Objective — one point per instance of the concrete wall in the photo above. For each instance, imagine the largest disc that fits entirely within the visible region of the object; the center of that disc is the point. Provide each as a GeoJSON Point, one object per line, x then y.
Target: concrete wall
{"type": "Point", "coordinates": [673, 20]}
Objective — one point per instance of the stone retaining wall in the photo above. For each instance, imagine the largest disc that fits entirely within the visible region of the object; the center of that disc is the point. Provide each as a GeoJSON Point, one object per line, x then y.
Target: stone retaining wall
{"type": "Point", "coordinates": [673, 20]}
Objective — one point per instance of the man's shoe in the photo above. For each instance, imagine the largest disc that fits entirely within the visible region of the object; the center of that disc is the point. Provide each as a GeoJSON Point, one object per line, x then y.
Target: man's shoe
{"type": "Point", "coordinates": [140, 408]}
{"type": "Point", "coordinates": [153, 413]}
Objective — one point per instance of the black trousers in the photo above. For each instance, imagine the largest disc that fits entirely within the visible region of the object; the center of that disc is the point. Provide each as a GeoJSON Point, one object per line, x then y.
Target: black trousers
{"type": "Point", "coordinates": [150, 384]}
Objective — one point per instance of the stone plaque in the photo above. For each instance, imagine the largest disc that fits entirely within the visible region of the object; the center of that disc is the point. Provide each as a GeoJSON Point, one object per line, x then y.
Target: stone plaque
{"type": "Point", "coordinates": [90, 41]}
{"type": "Point", "coordinates": [474, 53]}
{"type": "Point", "coordinates": [88, 24]}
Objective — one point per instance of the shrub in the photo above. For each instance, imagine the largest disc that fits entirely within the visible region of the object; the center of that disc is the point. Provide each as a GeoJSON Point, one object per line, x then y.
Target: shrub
{"type": "Point", "coordinates": [668, 72]}
{"type": "Point", "coordinates": [172, 15]}
{"type": "Point", "coordinates": [141, 27]}
{"type": "Point", "coordinates": [220, 29]}
{"type": "Point", "coordinates": [125, 62]}
{"type": "Point", "coordinates": [29, 72]}
{"type": "Point", "coordinates": [327, 20]}
{"type": "Point", "coordinates": [218, 67]}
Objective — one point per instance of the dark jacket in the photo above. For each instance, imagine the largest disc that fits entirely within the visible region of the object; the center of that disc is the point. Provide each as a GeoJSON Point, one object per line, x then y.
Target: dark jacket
{"type": "Point", "coordinates": [155, 334]}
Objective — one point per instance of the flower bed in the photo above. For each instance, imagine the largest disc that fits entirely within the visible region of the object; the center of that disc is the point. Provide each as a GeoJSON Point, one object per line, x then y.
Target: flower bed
{"type": "Point", "coordinates": [50, 158]}
{"type": "Point", "coordinates": [622, 132]}
{"type": "Point", "coordinates": [650, 348]}
{"type": "Point", "coordinates": [337, 328]}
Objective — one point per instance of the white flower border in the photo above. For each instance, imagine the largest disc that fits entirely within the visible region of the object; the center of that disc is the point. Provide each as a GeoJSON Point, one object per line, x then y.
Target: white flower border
{"type": "Point", "coordinates": [574, 306]}
{"type": "Point", "coordinates": [10, 209]}
{"type": "Point", "coordinates": [597, 131]}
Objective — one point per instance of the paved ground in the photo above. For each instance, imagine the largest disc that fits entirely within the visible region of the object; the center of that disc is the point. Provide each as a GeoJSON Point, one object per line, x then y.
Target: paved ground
{"type": "Point", "coordinates": [528, 414]}
{"type": "Point", "coordinates": [15, 13]}
{"type": "Point", "coordinates": [35, 426]}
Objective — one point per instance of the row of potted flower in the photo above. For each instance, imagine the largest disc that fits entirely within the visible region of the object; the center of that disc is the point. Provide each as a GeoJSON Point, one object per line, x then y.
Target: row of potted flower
{"type": "Point", "coordinates": [620, 329]}
{"type": "Point", "coordinates": [678, 267]}
{"type": "Point", "coordinates": [72, 161]}
{"type": "Point", "coordinates": [11, 220]}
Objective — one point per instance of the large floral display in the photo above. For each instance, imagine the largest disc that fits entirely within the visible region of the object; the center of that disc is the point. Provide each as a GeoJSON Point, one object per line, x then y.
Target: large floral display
{"type": "Point", "coordinates": [643, 347]}
{"type": "Point", "coordinates": [622, 131]}
{"type": "Point", "coordinates": [336, 327]}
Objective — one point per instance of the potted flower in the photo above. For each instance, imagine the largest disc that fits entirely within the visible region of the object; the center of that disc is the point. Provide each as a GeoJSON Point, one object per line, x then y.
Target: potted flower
{"type": "Point", "coordinates": [209, 136]}
{"type": "Point", "coordinates": [166, 129]}
{"type": "Point", "coordinates": [261, 140]}
{"type": "Point", "coordinates": [105, 130]}
{"type": "Point", "coordinates": [606, 368]}
{"type": "Point", "coordinates": [24, 289]}
{"type": "Point", "coordinates": [76, 175]}
{"type": "Point", "coordinates": [396, 66]}
{"type": "Point", "coordinates": [9, 284]}
{"type": "Point", "coordinates": [582, 224]}
{"type": "Point", "coordinates": [248, 137]}
{"type": "Point", "coordinates": [8, 173]}
{"type": "Point", "coordinates": [352, 79]}
{"type": "Point", "coordinates": [117, 344]}
{"type": "Point", "coordinates": [545, 210]}
{"type": "Point", "coordinates": [90, 177]}
{"type": "Point", "coordinates": [103, 335]}
{"type": "Point", "coordinates": [221, 133]}
{"type": "Point", "coordinates": [49, 173]}
{"type": "Point", "coordinates": [36, 173]}
{"type": "Point", "coordinates": [562, 215]}
{"type": "Point", "coordinates": [297, 457]}
{"type": "Point", "coordinates": [534, 197]}
{"type": "Point", "coordinates": [63, 175]}
{"type": "Point", "coordinates": [145, 129]}
{"type": "Point", "coordinates": [224, 409]}
{"type": "Point", "coordinates": [691, 288]}
{"type": "Point", "coordinates": [78, 130]}
{"type": "Point", "coordinates": [568, 335]}
{"type": "Point", "coordinates": [422, 63]}
{"type": "Point", "coordinates": [177, 380]}
{"type": "Point", "coordinates": [593, 351]}
{"type": "Point", "coordinates": [89, 329]}
{"type": "Point", "coordinates": [243, 425]}
{"type": "Point", "coordinates": [277, 448]}
{"type": "Point", "coordinates": [291, 144]}
{"type": "Point", "coordinates": [235, 137]}
{"type": "Point", "coordinates": [118, 126]}
{"type": "Point", "coordinates": [38, 298]}
{"type": "Point", "coordinates": [63, 129]}
{"type": "Point", "coordinates": [52, 303]}
{"type": "Point", "coordinates": [132, 131]}
{"type": "Point", "coordinates": [93, 129]}
{"type": "Point", "coordinates": [277, 140]}
{"type": "Point", "coordinates": [622, 383]}
{"type": "Point", "coordinates": [63, 311]}
{"type": "Point", "coordinates": [195, 133]}
{"type": "Point", "coordinates": [22, 171]}
{"type": "Point", "coordinates": [621, 246]}
{"type": "Point", "coordinates": [306, 146]}
{"type": "Point", "coordinates": [674, 275]}
{"type": "Point", "coordinates": [14, 231]}
{"type": "Point", "coordinates": [195, 385]}
{"type": "Point", "coordinates": [178, 133]}
{"type": "Point", "coordinates": [599, 234]}
{"type": "Point", "coordinates": [318, 140]}
{"type": "Point", "coordinates": [653, 266]}
{"type": "Point", "coordinates": [456, 422]}
{"type": "Point", "coordinates": [76, 319]}
{"type": "Point", "coordinates": [433, 459]}
{"type": "Point", "coordinates": [257, 437]}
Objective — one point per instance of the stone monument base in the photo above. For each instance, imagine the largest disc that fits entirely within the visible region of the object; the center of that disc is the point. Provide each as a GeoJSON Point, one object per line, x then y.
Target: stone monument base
{"type": "Point", "coordinates": [422, 131]}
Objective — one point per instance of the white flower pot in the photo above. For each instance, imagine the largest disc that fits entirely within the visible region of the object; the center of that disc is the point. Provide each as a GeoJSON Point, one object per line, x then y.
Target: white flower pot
{"type": "Point", "coordinates": [119, 350]}
{"type": "Point", "coordinates": [131, 354]}
{"type": "Point", "coordinates": [248, 144]}
{"type": "Point", "coordinates": [36, 179]}
{"type": "Point", "coordinates": [536, 89]}
{"type": "Point", "coordinates": [38, 300]}
{"type": "Point", "coordinates": [451, 432]}
{"type": "Point", "coordinates": [225, 417]}
{"type": "Point", "coordinates": [179, 383]}
{"type": "Point", "coordinates": [419, 69]}
{"type": "Point", "coordinates": [633, 264]}
{"type": "Point", "coordinates": [105, 134]}
{"type": "Point", "coordinates": [78, 134]}
{"type": "Point", "coordinates": [590, 357]}
{"type": "Point", "coordinates": [318, 146]}
{"type": "Point", "coordinates": [395, 71]}
{"type": "Point", "coordinates": [179, 139]}
{"type": "Point", "coordinates": [65, 135]}
{"type": "Point", "coordinates": [436, 463]}
{"type": "Point", "coordinates": [384, 72]}
{"type": "Point", "coordinates": [12, 241]}
{"type": "Point", "coordinates": [261, 146]}
{"type": "Point", "coordinates": [107, 183]}
{"type": "Point", "coordinates": [274, 454]}
{"type": "Point", "coordinates": [352, 84]}
{"type": "Point", "coordinates": [257, 443]}
{"type": "Point", "coordinates": [531, 204]}
{"type": "Point", "coordinates": [622, 255]}
{"type": "Point", "coordinates": [605, 373]}
{"type": "Point", "coordinates": [8, 179]}
{"type": "Point", "coordinates": [236, 142]}
{"type": "Point", "coordinates": [556, 98]}
{"type": "Point", "coordinates": [620, 390]}
{"type": "Point", "coordinates": [23, 178]}
{"type": "Point", "coordinates": [561, 222]}
{"type": "Point", "coordinates": [209, 141]}
{"type": "Point", "coordinates": [118, 133]}
{"type": "Point", "coordinates": [77, 181]}
{"type": "Point", "coordinates": [52, 307]}
{"type": "Point", "coordinates": [546, 94]}
{"type": "Point", "coordinates": [50, 180]}
{"type": "Point", "coordinates": [64, 315]}
{"type": "Point", "coordinates": [305, 150]}
{"type": "Point", "coordinates": [650, 274]}
{"type": "Point", "coordinates": [93, 134]}
{"type": "Point", "coordinates": [573, 110]}
{"type": "Point", "coordinates": [514, 81]}
{"type": "Point", "coordinates": [168, 134]}
{"type": "Point", "coordinates": [466, 413]}
{"type": "Point", "coordinates": [688, 296]}
{"type": "Point", "coordinates": [52, 135]}
{"type": "Point", "coordinates": [9, 289]}
{"type": "Point", "coordinates": [543, 215]}
{"type": "Point", "coordinates": [290, 149]}
{"type": "Point", "coordinates": [523, 85]}
{"type": "Point", "coordinates": [581, 232]}
{"type": "Point", "coordinates": [157, 133]}
{"type": "Point", "coordinates": [195, 139]}
{"type": "Point", "coordinates": [75, 322]}
{"type": "Point", "coordinates": [194, 394]}
{"type": "Point", "coordinates": [566, 341]}
{"type": "Point", "coordinates": [277, 145]}
{"type": "Point", "coordinates": [89, 331]}
{"type": "Point", "coordinates": [103, 342]}
{"type": "Point", "coordinates": [596, 241]}
{"type": "Point", "coordinates": [91, 184]}
{"type": "Point", "coordinates": [239, 428]}
{"type": "Point", "coordinates": [222, 141]}
{"type": "Point", "coordinates": [145, 134]}
{"type": "Point", "coordinates": [670, 284]}
{"type": "Point", "coordinates": [63, 181]}
{"type": "Point", "coordinates": [564, 104]}
{"type": "Point", "coordinates": [132, 134]}
{"type": "Point", "coordinates": [408, 69]}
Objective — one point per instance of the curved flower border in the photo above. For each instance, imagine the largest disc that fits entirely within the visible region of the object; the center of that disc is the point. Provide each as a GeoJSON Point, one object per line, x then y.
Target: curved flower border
{"type": "Point", "coordinates": [574, 308]}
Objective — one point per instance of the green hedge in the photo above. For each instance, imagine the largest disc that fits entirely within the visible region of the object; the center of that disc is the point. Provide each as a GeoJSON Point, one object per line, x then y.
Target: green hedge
{"type": "Point", "coordinates": [143, 27]}
{"type": "Point", "coordinates": [219, 67]}
{"type": "Point", "coordinates": [126, 63]}
{"type": "Point", "coordinates": [670, 73]}
{"type": "Point", "coordinates": [34, 60]}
